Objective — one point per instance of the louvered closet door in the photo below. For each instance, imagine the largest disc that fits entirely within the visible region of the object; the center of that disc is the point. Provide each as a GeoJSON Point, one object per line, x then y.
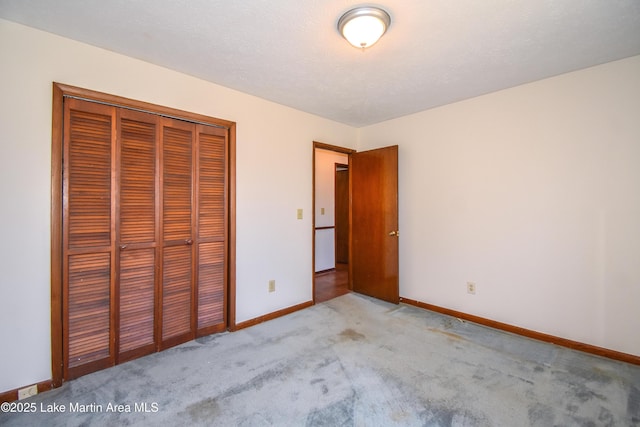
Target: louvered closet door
{"type": "Point", "coordinates": [88, 237]}
{"type": "Point", "coordinates": [178, 220]}
{"type": "Point", "coordinates": [138, 233]}
{"type": "Point", "coordinates": [212, 232]}
{"type": "Point", "coordinates": [144, 234]}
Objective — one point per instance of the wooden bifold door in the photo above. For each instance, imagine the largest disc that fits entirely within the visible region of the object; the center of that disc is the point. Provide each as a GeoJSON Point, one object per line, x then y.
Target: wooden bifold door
{"type": "Point", "coordinates": [144, 233]}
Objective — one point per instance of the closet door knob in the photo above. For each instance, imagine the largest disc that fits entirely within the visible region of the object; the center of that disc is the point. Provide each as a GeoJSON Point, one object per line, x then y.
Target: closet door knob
{"type": "Point", "coordinates": [188, 242]}
{"type": "Point", "coordinates": [123, 247]}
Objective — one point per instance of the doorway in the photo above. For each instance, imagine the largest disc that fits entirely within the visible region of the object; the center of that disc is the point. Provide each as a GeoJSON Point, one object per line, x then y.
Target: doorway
{"type": "Point", "coordinates": [331, 221]}
{"type": "Point", "coordinates": [372, 210]}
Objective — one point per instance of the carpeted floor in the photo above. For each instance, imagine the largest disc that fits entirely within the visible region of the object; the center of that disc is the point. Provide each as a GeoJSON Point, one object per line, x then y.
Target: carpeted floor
{"type": "Point", "coordinates": [352, 361]}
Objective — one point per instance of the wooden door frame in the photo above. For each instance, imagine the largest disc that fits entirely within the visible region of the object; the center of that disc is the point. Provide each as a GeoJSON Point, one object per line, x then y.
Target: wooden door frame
{"type": "Point", "coordinates": [60, 91]}
{"type": "Point", "coordinates": [337, 149]}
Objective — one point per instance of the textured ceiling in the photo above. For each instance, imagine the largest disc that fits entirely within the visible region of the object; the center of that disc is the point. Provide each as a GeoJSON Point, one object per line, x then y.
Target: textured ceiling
{"type": "Point", "coordinates": [289, 51]}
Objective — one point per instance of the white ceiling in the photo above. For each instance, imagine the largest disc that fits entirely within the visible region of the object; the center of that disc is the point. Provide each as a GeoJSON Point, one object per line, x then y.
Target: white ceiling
{"type": "Point", "coordinates": [289, 51]}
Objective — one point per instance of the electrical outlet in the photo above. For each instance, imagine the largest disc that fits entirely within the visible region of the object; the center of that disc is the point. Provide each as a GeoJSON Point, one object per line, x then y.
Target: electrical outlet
{"type": "Point", "coordinates": [32, 390]}
{"type": "Point", "coordinates": [272, 285]}
{"type": "Point", "coordinates": [471, 288]}
{"type": "Point", "coordinates": [299, 213]}
{"type": "Point", "coordinates": [321, 211]}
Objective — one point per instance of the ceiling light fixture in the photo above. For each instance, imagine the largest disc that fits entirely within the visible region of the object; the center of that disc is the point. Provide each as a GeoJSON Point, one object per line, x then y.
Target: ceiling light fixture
{"type": "Point", "coordinates": [363, 26]}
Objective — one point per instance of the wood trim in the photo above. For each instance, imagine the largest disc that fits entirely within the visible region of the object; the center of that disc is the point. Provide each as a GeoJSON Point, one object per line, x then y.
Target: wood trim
{"type": "Point", "coordinates": [195, 228]}
{"type": "Point", "coordinates": [159, 232]}
{"type": "Point", "coordinates": [177, 340]}
{"type": "Point", "coordinates": [120, 101]}
{"type": "Point", "coordinates": [56, 238]}
{"type": "Point", "coordinates": [328, 270]}
{"type": "Point", "coordinates": [271, 316]}
{"type": "Point", "coordinates": [12, 395]}
{"type": "Point", "coordinates": [231, 245]}
{"type": "Point", "coordinates": [330, 147]}
{"type": "Point", "coordinates": [87, 368]}
{"type": "Point", "coordinates": [329, 227]}
{"type": "Point", "coordinates": [213, 329]}
{"type": "Point", "coordinates": [114, 287]}
{"type": "Point", "coordinates": [157, 310]}
{"type": "Point", "coordinates": [135, 353]}
{"type": "Point", "coordinates": [313, 222]}
{"type": "Point", "coordinates": [563, 342]}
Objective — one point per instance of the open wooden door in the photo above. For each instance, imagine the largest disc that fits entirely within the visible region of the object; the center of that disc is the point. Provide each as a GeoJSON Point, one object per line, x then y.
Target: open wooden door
{"type": "Point", "coordinates": [373, 267]}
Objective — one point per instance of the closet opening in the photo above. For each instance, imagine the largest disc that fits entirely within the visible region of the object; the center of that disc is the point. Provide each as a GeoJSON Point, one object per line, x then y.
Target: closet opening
{"type": "Point", "coordinates": [143, 229]}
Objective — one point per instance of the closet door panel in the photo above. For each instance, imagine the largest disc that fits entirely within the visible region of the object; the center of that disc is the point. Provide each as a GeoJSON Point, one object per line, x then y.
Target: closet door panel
{"type": "Point", "coordinates": [88, 271]}
{"type": "Point", "coordinates": [176, 292]}
{"type": "Point", "coordinates": [211, 290]}
{"type": "Point", "coordinates": [137, 178]}
{"type": "Point", "coordinates": [212, 201]}
{"type": "Point", "coordinates": [137, 233]}
{"type": "Point", "coordinates": [88, 175]}
{"type": "Point", "coordinates": [89, 311]}
{"type": "Point", "coordinates": [137, 303]}
{"type": "Point", "coordinates": [212, 184]}
{"type": "Point", "coordinates": [178, 299]}
{"type": "Point", "coordinates": [177, 184]}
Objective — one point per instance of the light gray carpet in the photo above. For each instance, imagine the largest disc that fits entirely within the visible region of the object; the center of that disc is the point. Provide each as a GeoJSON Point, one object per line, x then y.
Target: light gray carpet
{"type": "Point", "coordinates": [354, 361]}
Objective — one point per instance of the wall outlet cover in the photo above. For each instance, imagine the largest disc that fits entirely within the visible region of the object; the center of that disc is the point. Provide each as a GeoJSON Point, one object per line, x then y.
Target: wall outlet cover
{"type": "Point", "coordinates": [471, 288]}
{"type": "Point", "coordinates": [23, 393]}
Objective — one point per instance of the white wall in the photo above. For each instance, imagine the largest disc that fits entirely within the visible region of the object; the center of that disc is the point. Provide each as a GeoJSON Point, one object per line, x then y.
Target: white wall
{"type": "Point", "coordinates": [325, 170]}
{"type": "Point", "coordinates": [274, 173]}
{"type": "Point", "coordinates": [325, 249]}
{"type": "Point", "coordinates": [534, 194]}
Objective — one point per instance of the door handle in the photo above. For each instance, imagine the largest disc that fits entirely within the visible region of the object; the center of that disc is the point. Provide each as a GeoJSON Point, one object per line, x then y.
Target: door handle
{"type": "Point", "coordinates": [394, 233]}
{"type": "Point", "coordinates": [123, 247]}
{"type": "Point", "coordinates": [188, 242]}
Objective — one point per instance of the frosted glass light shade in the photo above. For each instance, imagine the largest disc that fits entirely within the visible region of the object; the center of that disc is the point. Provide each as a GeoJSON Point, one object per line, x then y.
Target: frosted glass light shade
{"type": "Point", "coordinates": [363, 26]}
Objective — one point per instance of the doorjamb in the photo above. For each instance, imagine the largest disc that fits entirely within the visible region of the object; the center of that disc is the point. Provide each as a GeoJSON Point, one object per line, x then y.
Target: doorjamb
{"type": "Point", "coordinates": [335, 210]}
